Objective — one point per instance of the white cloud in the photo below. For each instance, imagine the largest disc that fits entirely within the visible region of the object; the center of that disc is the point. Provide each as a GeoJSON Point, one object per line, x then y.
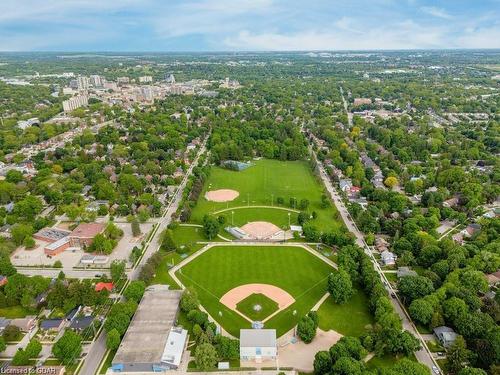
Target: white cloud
{"type": "Point", "coordinates": [402, 35]}
{"type": "Point", "coordinates": [436, 12]}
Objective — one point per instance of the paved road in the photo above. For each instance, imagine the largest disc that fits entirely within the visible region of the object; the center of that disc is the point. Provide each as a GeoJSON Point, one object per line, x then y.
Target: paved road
{"type": "Point", "coordinates": [69, 272]}
{"type": "Point", "coordinates": [348, 113]}
{"type": "Point", "coordinates": [423, 355]}
{"type": "Point", "coordinates": [97, 349]}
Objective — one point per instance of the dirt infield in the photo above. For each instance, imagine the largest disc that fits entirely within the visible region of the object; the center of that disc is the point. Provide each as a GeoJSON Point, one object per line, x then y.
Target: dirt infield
{"type": "Point", "coordinates": [260, 229]}
{"type": "Point", "coordinates": [278, 295]}
{"type": "Point", "coordinates": [221, 195]}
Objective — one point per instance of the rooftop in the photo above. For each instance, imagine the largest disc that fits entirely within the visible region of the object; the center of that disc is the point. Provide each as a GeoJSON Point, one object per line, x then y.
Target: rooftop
{"type": "Point", "coordinates": [257, 338]}
{"type": "Point", "coordinates": [87, 230]}
{"type": "Point", "coordinates": [146, 337]}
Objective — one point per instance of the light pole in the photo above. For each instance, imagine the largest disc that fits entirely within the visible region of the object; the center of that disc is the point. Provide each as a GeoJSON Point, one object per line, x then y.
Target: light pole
{"type": "Point", "coordinates": [289, 219]}
{"type": "Point", "coordinates": [248, 199]}
{"type": "Point", "coordinates": [232, 218]}
{"type": "Point", "coordinates": [272, 199]}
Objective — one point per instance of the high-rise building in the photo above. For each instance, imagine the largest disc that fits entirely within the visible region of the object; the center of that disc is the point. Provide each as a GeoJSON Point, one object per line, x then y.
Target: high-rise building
{"type": "Point", "coordinates": [75, 102]}
{"type": "Point", "coordinates": [169, 78]}
{"type": "Point", "coordinates": [123, 80]}
{"type": "Point", "coordinates": [83, 83]}
{"type": "Point", "coordinates": [145, 79]}
{"type": "Point", "coordinates": [96, 80]}
{"type": "Point", "coordinates": [147, 93]}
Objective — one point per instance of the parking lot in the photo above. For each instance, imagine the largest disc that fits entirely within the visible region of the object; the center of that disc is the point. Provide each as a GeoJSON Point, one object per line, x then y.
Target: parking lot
{"type": "Point", "coordinates": [70, 258]}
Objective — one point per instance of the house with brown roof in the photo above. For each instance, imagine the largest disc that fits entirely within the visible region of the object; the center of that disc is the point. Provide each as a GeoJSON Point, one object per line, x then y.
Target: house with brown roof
{"type": "Point", "coordinates": [493, 278]}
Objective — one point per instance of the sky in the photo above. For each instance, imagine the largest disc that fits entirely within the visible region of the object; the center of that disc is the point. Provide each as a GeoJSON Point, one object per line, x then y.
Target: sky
{"type": "Point", "coordinates": [247, 25]}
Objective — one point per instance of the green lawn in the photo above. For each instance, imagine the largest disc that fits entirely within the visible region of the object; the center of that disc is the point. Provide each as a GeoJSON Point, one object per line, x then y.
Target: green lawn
{"type": "Point", "coordinates": [161, 275]}
{"type": "Point", "coordinates": [247, 214]}
{"type": "Point", "coordinates": [248, 306]}
{"type": "Point", "coordinates": [349, 319]}
{"type": "Point", "coordinates": [14, 312]}
{"type": "Point", "coordinates": [262, 184]}
{"type": "Point", "coordinates": [188, 236]}
{"type": "Point", "coordinates": [223, 268]}
{"type": "Point", "coordinates": [386, 361]}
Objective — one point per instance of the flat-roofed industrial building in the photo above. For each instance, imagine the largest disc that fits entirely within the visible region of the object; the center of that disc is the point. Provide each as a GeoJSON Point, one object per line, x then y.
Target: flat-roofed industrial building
{"type": "Point", "coordinates": [153, 343]}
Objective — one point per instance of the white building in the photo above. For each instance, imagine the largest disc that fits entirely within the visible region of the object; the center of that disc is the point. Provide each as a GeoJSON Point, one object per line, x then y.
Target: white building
{"type": "Point", "coordinates": [83, 83]}
{"type": "Point", "coordinates": [28, 123]}
{"type": "Point", "coordinates": [145, 79]}
{"type": "Point", "coordinates": [123, 80]}
{"type": "Point", "coordinates": [258, 344]}
{"type": "Point", "coordinates": [96, 80]}
{"type": "Point", "coordinates": [75, 102]}
{"type": "Point", "coordinates": [388, 258]}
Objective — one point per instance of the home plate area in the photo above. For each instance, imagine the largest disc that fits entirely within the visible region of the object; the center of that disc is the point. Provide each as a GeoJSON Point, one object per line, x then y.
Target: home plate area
{"type": "Point", "coordinates": [257, 302]}
{"type": "Point", "coordinates": [257, 230]}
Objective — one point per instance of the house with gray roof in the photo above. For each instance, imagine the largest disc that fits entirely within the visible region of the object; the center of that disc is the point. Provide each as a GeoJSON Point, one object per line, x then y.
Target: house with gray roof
{"type": "Point", "coordinates": [445, 335]}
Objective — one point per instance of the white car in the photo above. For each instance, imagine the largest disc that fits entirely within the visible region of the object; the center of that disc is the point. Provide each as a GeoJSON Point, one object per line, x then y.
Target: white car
{"type": "Point", "coordinates": [435, 370]}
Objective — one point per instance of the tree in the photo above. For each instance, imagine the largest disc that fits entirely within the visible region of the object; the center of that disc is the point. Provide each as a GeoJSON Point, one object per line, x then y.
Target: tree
{"type": "Point", "coordinates": [414, 287]}
{"type": "Point", "coordinates": [340, 286]}
{"type": "Point", "coordinates": [407, 367]}
{"type": "Point", "coordinates": [421, 311]}
{"type": "Point", "coordinates": [33, 348]}
{"type": "Point", "coordinates": [347, 366]}
{"type": "Point", "coordinates": [3, 346]}
{"type": "Point", "coordinates": [113, 339]}
{"type": "Point", "coordinates": [136, 228]}
{"type": "Point", "coordinates": [68, 348]}
{"type": "Point", "coordinates": [118, 321]}
{"type": "Point", "coordinates": [167, 240]}
{"type": "Point", "coordinates": [347, 346]}
{"type": "Point", "coordinates": [406, 343]}
{"type": "Point", "coordinates": [117, 270]}
{"type": "Point", "coordinates": [135, 290]}
{"type": "Point", "coordinates": [322, 363]}
{"type": "Point", "coordinates": [11, 333]}
{"type": "Point", "coordinates": [211, 226]}
{"type": "Point", "coordinates": [205, 356]}
{"type": "Point", "coordinates": [304, 203]}
{"type": "Point", "coordinates": [472, 371]}
{"type": "Point", "coordinates": [227, 348]}
{"type": "Point", "coordinates": [391, 181]}
{"type": "Point", "coordinates": [458, 355]}
{"type": "Point", "coordinates": [19, 232]}
{"type": "Point", "coordinates": [455, 309]}
{"type": "Point", "coordinates": [189, 300]}
{"type": "Point", "coordinates": [306, 329]}
{"type": "Point", "coordinates": [20, 358]}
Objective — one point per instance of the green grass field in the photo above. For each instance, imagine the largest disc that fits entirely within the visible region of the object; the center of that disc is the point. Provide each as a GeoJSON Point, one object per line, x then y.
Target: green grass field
{"type": "Point", "coordinates": [262, 184]}
{"type": "Point", "coordinates": [14, 312]}
{"type": "Point", "coordinates": [247, 306]}
{"type": "Point", "coordinates": [349, 319]}
{"type": "Point", "coordinates": [223, 268]}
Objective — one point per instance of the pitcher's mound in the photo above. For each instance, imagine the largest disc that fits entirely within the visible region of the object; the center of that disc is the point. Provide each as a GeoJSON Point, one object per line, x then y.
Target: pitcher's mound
{"type": "Point", "coordinates": [221, 195]}
{"type": "Point", "coordinates": [261, 229]}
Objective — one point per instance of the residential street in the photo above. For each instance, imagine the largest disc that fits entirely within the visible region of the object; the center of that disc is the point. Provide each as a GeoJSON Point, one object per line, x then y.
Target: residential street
{"type": "Point", "coordinates": [424, 355]}
{"type": "Point", "coordinates": [98, 347]}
